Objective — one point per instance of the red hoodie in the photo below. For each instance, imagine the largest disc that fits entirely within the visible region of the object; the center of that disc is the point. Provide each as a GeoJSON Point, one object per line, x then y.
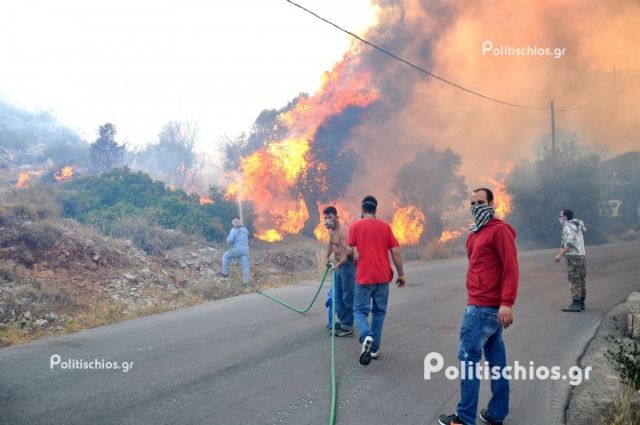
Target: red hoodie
{"type": "Point", "coordinates": [492, 277]}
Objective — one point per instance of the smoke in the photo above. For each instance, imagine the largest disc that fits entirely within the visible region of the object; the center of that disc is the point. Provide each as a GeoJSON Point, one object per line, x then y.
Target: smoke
{"type": "Point", "coordinates": [598, 73]}
{"type": "Point", "coordinates": [580, 55]}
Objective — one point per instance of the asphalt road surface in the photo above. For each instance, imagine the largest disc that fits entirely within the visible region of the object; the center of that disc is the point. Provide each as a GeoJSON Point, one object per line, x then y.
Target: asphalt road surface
{"type": "Point", "coordinates": [247, 360]}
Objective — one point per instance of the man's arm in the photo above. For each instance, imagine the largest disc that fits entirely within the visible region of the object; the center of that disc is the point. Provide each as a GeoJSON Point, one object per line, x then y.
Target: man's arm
{"type": "Point", "coordinates": [397, 261]}
{"type": "Point", "coordinates": [329, 252]}
{"type": "Point", "coordinates": [568, 247]}
{"type": "Point", "coordinates": [506, 246]}
{"type": "Point", "coordinates": [568, 242]}
{"type": "Point", "coordinates": [232, 236]}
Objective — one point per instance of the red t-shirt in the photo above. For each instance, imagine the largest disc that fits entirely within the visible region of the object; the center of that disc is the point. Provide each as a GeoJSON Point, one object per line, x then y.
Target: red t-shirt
{"type": "Point", "coordinates": [373, 239]}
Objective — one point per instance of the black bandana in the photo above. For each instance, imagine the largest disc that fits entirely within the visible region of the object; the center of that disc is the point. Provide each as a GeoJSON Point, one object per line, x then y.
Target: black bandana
{"type": "Point", "coordinates": [481, 214]}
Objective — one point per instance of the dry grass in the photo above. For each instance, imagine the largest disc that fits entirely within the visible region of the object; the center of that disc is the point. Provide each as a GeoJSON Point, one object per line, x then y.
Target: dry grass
{"type": "Point", "coordinates": [625, 410]}
{"type": "Point", "coordinates": [34, 202]}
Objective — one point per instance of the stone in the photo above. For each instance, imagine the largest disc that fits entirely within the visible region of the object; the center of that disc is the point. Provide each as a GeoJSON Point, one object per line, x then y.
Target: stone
{"type": "Point", "coordinates": [131, 278]}
{"type": "Point", "coordinates": [52, 317]}
{"type": "Point", "coordinates": [40, 322]}
{"type": "Point", "coordinates": [633, 315]}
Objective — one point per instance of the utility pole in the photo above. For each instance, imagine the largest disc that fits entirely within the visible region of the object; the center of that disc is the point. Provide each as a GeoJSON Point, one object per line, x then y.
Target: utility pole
{"type": "Point", "coordinates": [553, 130]}
{"type": "Point", "coordinates": [615, 84]}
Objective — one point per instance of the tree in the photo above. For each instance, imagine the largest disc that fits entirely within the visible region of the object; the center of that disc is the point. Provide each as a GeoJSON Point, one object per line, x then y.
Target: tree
{"type": "Point", "coordinates": [433, 184]}
{"type": "Point", "coordinates": [566, 178]}
{"type": "Point", "coordinates": [173, 158]}
{"type": "Point", "coordinates": [105, 153]}
{"type": "Point", "coordinates": [329, 165]}
{"type": "Point", "coordinates": [232, 149]}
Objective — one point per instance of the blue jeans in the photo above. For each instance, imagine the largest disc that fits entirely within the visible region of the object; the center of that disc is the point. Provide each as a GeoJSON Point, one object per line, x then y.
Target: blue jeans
{"type": "Point", "coordinates": [237, 254]}
{"type": "Point", "coordinates": [371, 299]}
{"type": "Point", "coordinates": [345, 278]}
{"type": "Point", "coordinates": [480, 331]}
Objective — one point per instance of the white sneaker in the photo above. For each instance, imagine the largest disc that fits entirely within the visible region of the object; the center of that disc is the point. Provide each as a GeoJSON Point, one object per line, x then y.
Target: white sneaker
{"type": "Point", "coordinates": [365, 354]}
{"type": "Point", "coordinates": [375, 355]}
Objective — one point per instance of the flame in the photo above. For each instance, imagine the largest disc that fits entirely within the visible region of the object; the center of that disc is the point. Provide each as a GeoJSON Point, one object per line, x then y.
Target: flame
{"type": "Point", "coordinates": [24, 179]}
{"type": "Point", "coordinates": [498, 185]}
{"type": "Point", "coordinates": [408, 224]}
{"type": "Point", "coordinates": [65, 173]}
{"type": "Point", "coordinates": [271, 175]}
{"type": "Point", "coordinates": [448, 235]}
{"type": "Point", "coordinates": [204, 200]}
{"type": "Point", "coordinates": [501, 200]}
{"type": "Point", "coordinates": [321, 232]}
{"type": "Point", "coordinates": [271, 235]}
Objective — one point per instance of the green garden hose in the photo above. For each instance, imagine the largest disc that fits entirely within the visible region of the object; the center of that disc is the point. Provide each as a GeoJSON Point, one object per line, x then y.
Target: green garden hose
{"type": "Point", "coordinates": [289, 306]}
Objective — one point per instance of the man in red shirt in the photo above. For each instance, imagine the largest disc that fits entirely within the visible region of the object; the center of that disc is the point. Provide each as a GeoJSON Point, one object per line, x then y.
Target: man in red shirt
{"type": "Point", "coordinates": [373, 240]}
{"type": "Point", "coordinates": [492, 285]}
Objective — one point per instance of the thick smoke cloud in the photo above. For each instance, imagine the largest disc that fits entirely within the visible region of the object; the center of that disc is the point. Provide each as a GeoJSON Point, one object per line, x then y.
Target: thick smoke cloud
{"type": "Point", "coordinates": [598, 73]}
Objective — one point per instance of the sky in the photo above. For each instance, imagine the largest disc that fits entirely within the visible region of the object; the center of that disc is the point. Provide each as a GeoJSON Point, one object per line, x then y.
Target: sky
{"type": "Point", "coordinates": [140, 64]}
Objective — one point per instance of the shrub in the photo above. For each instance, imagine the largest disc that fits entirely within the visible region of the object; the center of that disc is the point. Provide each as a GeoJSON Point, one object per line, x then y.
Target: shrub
{"type": "Point", "coordinates": [33, 203]}
{"type": "Point", "coordinates": [625, 359]}
{"type": "Point", "coordinates": [40, 236]}
{"type": "Point", "coordinates": [104, 201]}
{"type": "Point", "coordinates": [151, 238]}
{"type": "Point", "coordinates": [7, 274]}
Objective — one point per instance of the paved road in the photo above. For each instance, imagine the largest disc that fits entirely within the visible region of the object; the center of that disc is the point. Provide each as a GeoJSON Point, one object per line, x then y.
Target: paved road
{"type": "Point", "coordinates": [247, 360]}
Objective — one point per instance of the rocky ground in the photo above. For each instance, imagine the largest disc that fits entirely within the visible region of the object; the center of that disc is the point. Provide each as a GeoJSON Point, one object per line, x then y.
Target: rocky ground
{"type": "Point", "coordinates": [79, 278]}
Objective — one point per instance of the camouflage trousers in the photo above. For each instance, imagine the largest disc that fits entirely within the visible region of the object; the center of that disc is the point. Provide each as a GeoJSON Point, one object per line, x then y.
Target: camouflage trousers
{"type": "Point", "coordinates": [577, 268]}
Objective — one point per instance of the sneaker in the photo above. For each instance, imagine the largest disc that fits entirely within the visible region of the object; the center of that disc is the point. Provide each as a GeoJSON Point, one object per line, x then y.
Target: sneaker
{"type": "Point", "coordinates": [450, 420]}
{"type": "Point", "coordinates": [343, 332]}
{"type": "Point", "coordinates": [365, 354]}
{"type": "Point", "coordinates": [374, 355]}
{"type": "Point", "coordinates": [225, 275]}
{"type": "Point", "coordinates": [486, 418]}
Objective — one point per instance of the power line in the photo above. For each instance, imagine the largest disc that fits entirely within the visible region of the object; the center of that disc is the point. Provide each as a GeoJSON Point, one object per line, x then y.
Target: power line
{"type": "Point", "coordinates": [421, 69]}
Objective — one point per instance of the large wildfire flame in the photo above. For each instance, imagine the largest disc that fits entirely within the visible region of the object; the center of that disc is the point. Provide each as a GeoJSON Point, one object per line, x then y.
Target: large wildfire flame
{"type": "Point", "coordinates": [408, 224]}
{"type": "Point", "coordinates": [65, 173]}
{"type": "Point", "coordinates": [269, 175]}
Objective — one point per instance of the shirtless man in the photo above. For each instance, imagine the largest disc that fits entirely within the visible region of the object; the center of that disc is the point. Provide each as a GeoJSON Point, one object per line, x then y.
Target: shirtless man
{"type": "Point", "coordinates": [344, 271]}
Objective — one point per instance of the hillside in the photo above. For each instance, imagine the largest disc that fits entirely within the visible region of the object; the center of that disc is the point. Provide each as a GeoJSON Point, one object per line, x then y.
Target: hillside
{"type": "Point", "coordinates": [59, 275]}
